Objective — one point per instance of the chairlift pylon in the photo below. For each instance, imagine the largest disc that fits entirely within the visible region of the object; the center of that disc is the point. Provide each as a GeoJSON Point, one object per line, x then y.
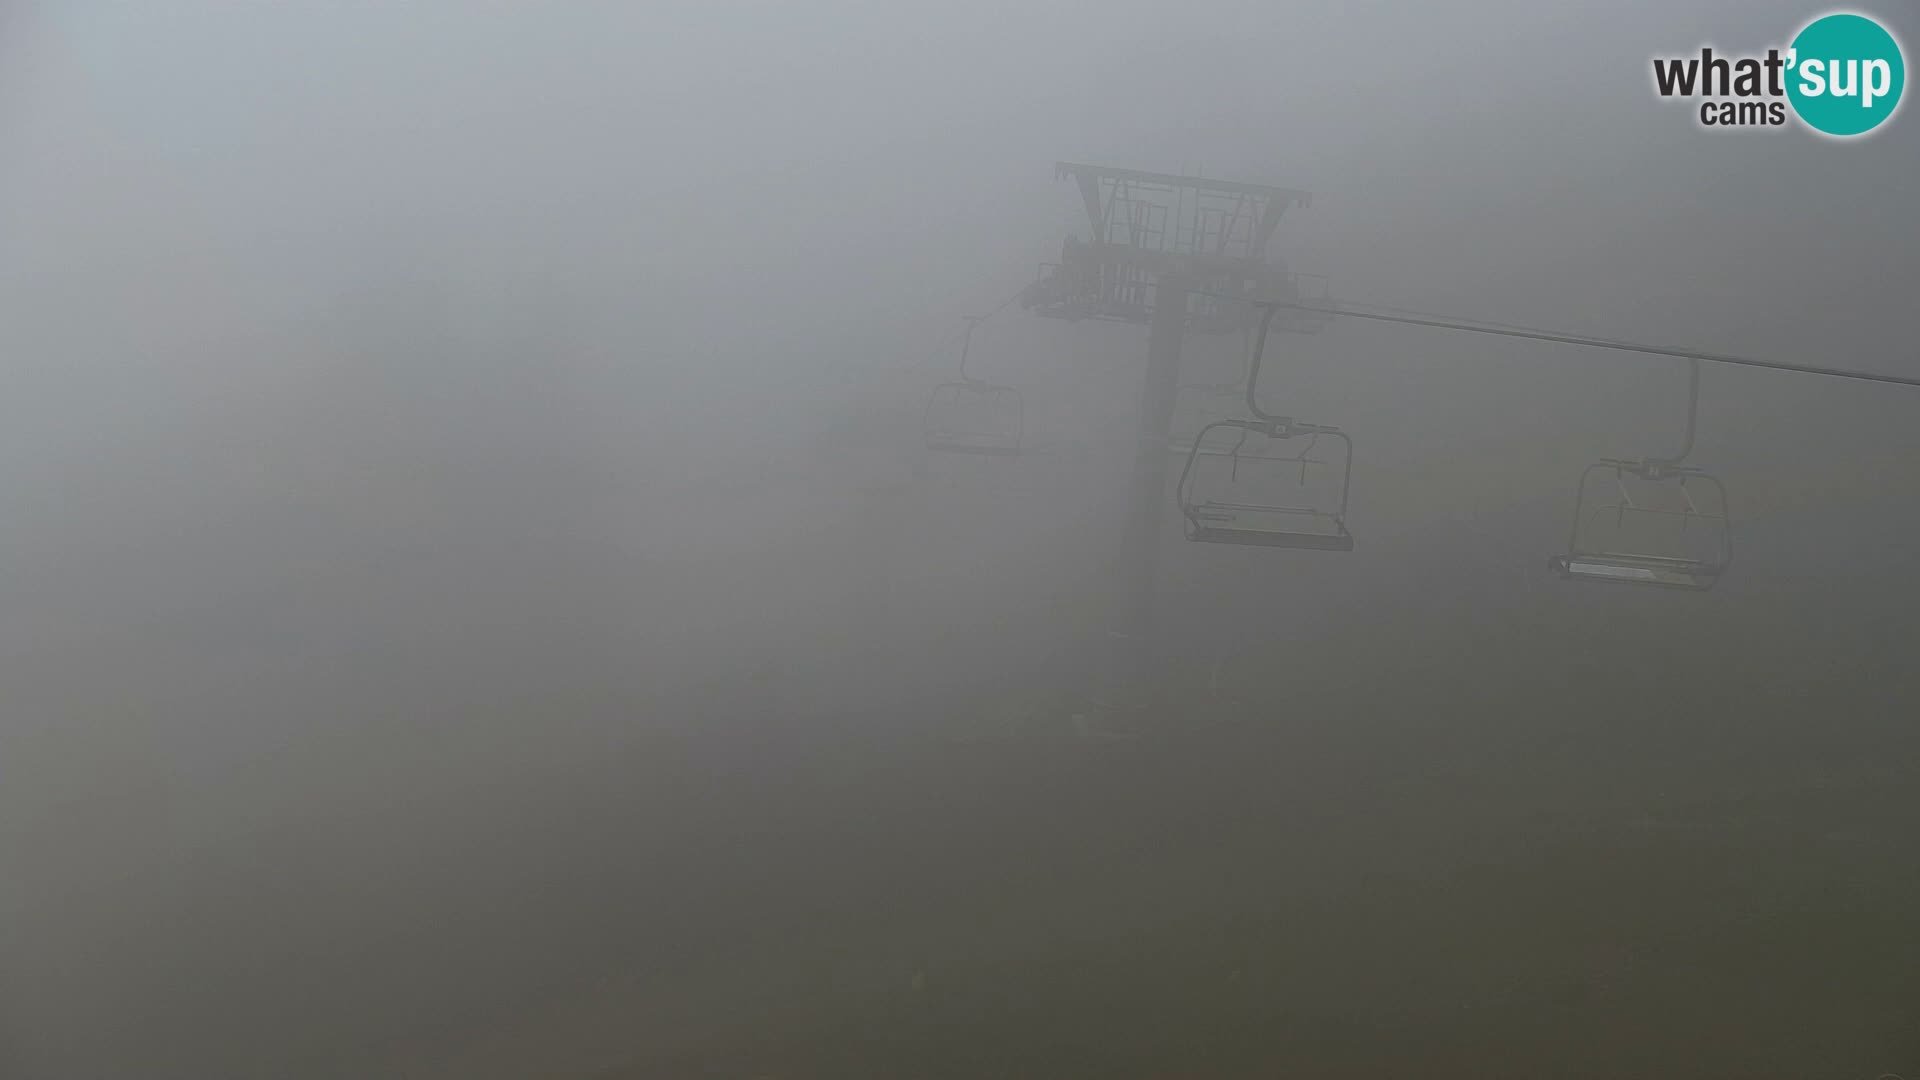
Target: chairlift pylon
{"type": "Point", "coordinates": [1643, 525]}
{"type": "Point", "coordinates": [972, 416]}
{"type": "Point", "coordinates": [1247, 509]}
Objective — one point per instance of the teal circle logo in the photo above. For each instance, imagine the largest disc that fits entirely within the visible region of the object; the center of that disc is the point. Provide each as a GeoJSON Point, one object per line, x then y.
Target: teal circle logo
{"type": "Point", "coordinates": [1846, 74]}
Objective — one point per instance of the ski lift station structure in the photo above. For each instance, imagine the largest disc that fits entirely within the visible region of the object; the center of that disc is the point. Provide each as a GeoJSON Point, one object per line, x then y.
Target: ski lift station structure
{"type": "Point", "coordinates": [1186, 253]}
{"type": "Point", "coordinates": [1176, 254]}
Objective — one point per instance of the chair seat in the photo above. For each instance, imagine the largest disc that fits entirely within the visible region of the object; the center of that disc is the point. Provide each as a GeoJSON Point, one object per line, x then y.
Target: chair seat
{"type": "Point", "coordinates": [1315, 541]}
{"type": "Point", "coordinates": [1634, 569]}
{"type": "Point", "coordinates": [1255, 526]}
{"type": "Point", "coordinates": [973, 444]}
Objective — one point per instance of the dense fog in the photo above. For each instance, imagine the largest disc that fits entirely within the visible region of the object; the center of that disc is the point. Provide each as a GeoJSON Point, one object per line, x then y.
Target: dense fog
{"type": "Point", "coordinates": [477, 599]}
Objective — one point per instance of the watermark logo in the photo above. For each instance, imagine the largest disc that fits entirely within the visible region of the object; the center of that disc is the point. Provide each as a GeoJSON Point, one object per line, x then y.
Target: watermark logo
{"type": "Point", "coordinates": [1842, 75]}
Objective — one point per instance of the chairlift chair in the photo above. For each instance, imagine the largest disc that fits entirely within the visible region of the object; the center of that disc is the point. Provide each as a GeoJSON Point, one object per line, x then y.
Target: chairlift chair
{"type": "Point", "coordinates": [1249, 507]}
{"type": "Point", "coordinates": [974, 417]}
{"type": "Point", "coordinates": [1650, 521]}
{"type": "Point", "coordinates": [971, 416]}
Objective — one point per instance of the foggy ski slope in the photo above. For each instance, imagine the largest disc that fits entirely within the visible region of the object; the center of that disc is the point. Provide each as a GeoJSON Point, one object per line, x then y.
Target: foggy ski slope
{"type": "Point", "coordinates": [1493, 728]}
{"type": "Point", "coordinates": [476, 603]}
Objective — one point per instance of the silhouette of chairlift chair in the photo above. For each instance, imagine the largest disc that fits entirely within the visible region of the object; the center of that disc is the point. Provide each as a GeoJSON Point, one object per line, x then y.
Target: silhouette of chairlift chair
{"type": "Point", "coordinates": [970, 416]}
{"type": "Point", "coordinates": [1257, 519]}
{"type": "Point", "coordinates": [1641, 523]}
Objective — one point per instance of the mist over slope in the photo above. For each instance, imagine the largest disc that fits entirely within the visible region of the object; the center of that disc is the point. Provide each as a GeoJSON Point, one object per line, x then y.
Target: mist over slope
{"type": "Point", "coordinates": [477, 599]}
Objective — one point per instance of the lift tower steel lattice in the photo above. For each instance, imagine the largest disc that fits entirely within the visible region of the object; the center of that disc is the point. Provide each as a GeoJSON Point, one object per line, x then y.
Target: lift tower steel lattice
{"type": "Point", "coordinates": [1177, 254]}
